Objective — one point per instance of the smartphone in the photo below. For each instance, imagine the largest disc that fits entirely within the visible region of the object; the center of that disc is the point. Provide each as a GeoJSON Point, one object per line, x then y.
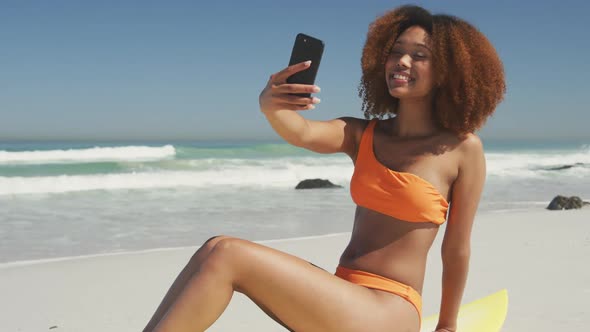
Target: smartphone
{"type": "Point", "coordinates": [306, 48]}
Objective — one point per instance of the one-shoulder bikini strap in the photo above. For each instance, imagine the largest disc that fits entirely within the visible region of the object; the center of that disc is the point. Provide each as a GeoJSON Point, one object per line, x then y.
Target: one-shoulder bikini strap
{"type": "Point", "coordinates": [366, 144]}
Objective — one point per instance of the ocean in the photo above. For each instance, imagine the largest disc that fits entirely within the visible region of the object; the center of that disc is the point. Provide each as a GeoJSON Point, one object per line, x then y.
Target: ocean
{"type": "Point", "coordinates": [64, 199]}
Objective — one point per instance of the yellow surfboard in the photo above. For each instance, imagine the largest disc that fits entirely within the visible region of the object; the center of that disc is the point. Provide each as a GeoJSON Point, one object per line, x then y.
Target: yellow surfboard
{"type": "Point", "coordinates": [484, 315]}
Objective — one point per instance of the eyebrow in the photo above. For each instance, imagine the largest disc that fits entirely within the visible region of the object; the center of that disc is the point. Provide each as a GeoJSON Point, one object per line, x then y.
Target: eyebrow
{"type": "Point", "coordinates": [415, 44]}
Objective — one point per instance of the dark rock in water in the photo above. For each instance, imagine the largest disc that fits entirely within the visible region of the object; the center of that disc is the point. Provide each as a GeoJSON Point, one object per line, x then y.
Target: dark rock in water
{"type": "Point", "coordinates": [566, 203]}
{"type": "Point", "coordinates": [559, 168]}
{"type": "Point", "coordinates": [574, 203]}
{"type": "Point", "coordinates": [557, 203]}
{"type": "Point", "coordinates": [316, 183]}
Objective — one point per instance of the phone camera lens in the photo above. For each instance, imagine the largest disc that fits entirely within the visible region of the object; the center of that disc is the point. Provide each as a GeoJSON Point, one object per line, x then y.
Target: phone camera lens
{"type": "Point", "coordinates": [305, 40]}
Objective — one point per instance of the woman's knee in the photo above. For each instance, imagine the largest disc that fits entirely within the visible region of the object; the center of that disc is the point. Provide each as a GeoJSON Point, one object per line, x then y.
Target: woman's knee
{"type": "Point", "coordinates": [212, 242]}
{"type": "Point", "coordinates": [205, 249]}
{"type": "Point", "coordinates": [224, 251]}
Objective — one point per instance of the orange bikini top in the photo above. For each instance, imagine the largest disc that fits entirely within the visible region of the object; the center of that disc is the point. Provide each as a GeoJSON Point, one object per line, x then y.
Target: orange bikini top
{"type": "Point", "coordinates": [401, 195]}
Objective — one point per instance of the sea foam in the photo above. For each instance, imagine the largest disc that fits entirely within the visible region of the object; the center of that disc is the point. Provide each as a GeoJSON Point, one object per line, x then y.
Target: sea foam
{"type": "Point", "coordinates": [124, 153]}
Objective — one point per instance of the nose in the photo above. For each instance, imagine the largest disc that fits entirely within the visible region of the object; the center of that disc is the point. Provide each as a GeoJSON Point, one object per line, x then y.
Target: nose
{"type": "Point", "coordinates": [405, 61]}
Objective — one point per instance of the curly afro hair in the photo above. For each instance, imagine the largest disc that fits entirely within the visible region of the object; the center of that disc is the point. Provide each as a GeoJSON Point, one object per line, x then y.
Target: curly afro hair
{"type": "Point", "coordinates": [469, 75]}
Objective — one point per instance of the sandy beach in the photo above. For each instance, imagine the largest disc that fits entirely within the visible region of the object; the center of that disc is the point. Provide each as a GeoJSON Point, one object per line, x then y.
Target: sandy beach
{"type": "Point", "coordinates": [540, 257]}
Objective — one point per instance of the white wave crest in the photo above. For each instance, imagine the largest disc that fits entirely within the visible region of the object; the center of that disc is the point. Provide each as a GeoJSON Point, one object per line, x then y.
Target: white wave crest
{"type": "Point", "coordinates": [277, 172]}
{"type": "Point", "coordinates": [538, 165]}
{"type": "Point", "coordinates": [97, 154]}
{"type": "Point", "coordinates": [249, 176]}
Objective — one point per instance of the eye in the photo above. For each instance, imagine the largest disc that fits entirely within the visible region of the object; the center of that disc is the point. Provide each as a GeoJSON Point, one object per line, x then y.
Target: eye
{"type": "Point", "coordinates": [419, 55]}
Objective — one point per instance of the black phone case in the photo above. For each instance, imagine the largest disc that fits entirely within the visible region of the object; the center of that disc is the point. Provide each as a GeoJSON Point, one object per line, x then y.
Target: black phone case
{"type": "Point", "coordinates": [306, 48]}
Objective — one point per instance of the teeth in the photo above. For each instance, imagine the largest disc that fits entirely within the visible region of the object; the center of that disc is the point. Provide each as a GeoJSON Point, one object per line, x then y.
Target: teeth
{"type": "Point", "coordinates": [401, 77]}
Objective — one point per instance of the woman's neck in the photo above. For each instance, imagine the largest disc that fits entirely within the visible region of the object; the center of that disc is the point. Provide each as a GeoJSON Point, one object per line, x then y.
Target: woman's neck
{"type": "Point", "coordinates": [414, 119]}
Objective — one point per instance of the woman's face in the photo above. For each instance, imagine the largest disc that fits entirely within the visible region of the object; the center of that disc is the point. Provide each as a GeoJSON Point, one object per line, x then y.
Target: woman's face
{"type": "Point", "coordinates": [408, 69]}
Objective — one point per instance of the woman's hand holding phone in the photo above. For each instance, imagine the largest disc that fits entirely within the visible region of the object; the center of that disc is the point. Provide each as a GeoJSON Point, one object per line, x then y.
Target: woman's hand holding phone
{"type": "Point", "coordinates": [280, 95]}
{"type": "Point", "coordinates": [290, 90]}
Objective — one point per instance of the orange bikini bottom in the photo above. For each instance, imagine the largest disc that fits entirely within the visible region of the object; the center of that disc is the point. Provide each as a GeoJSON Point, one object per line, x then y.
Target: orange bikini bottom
{"type": "Point", "coordinates": [375, 281]}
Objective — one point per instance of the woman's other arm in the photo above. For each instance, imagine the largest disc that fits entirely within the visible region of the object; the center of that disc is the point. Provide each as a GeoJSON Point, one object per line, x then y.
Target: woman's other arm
{"type": "Point", "coordinates": [456, 247]}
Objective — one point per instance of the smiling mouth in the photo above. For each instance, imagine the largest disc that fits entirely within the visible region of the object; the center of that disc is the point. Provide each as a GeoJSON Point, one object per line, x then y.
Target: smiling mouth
{"type": "Point", "coordinates": [401, 78]}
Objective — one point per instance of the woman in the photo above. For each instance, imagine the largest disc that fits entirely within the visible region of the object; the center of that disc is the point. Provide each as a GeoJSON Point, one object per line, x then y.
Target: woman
{"type": "Point", "coordinates": [441, 78]}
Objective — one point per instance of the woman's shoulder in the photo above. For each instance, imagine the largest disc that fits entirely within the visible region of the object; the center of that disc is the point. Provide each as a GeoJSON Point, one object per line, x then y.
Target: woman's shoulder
{"type": "Point", "coordinates": [355, 126]}
{"type": "Point", "coordinates": [471, 143]}
{"type": "Point", "coordinates": [468, 141]}
{"type": "Point", "coordinates": [353, 132]}
{"type": "Point", "coordinates": [471, 149]}
{"type": "Point", "coordinates": [355, 122]}
{"type": "Point", "coordinates": [458, 150]}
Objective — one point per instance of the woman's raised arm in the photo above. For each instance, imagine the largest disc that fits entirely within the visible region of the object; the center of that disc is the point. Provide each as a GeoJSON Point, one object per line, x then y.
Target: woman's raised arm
{"type": "Point", "coordinates": [279, 104]}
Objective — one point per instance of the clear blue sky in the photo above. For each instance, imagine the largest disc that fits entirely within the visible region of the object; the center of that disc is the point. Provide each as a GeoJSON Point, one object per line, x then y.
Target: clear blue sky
{"type": "Point", "coordinates": [194, 69]}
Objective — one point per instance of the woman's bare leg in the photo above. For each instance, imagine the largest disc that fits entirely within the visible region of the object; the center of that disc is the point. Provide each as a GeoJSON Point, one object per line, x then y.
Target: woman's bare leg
{"type": "Point", "coordinates": [185, 275]}
{"type": "Point", "coordinates": [189, 270]}
{"type": "Point", "coordinates": [304, 297]}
